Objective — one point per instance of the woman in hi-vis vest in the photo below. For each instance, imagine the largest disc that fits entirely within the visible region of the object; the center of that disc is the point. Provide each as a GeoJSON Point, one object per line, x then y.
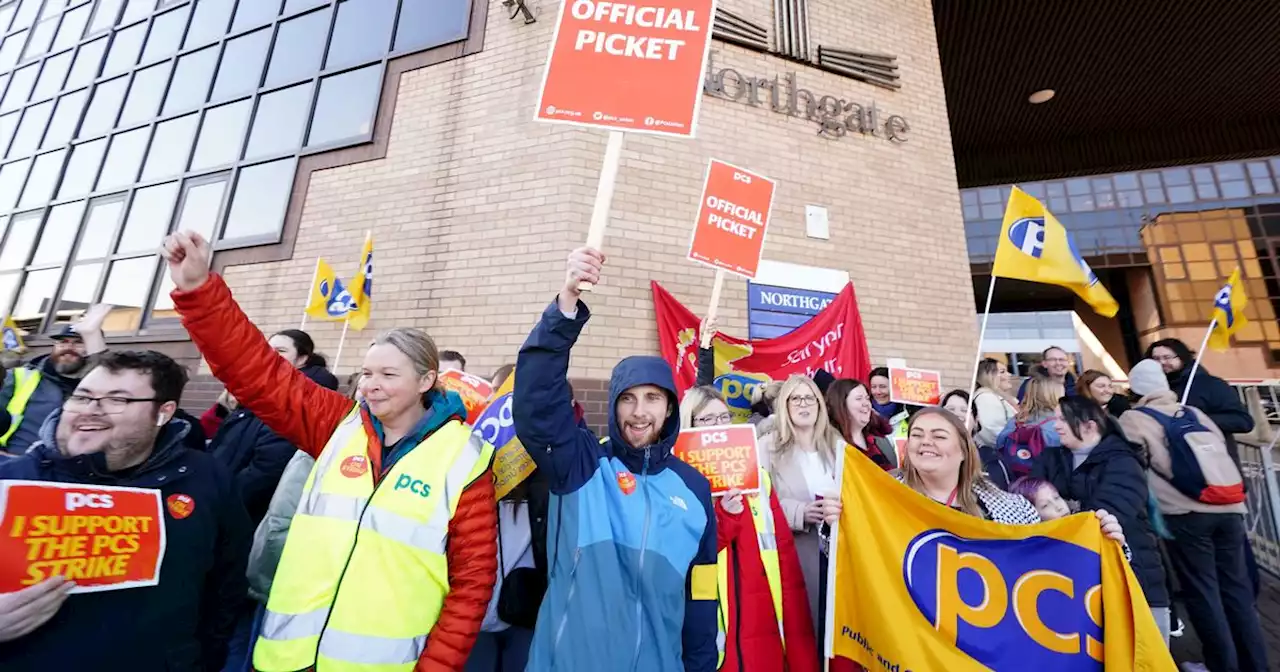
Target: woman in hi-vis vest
{"type": "Point", "coordinates": [391, 557]}
{"type": "Point", "coordinates": [765, 623]}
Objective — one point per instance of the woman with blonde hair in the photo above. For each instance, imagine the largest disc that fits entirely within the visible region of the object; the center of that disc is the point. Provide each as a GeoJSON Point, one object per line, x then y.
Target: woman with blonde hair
{"type": "Point", "coordinates": [1029, 432]}
{"type": "Point", "coordinates": [993, 402]}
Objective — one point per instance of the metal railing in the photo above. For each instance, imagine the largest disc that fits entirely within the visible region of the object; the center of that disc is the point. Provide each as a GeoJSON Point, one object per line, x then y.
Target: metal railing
{"type": "Point", "coordinates": [1258, 462]}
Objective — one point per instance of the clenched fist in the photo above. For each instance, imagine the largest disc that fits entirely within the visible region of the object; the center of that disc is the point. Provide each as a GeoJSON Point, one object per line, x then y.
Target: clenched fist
{"type": "Point", "coordinates": [187, 254]}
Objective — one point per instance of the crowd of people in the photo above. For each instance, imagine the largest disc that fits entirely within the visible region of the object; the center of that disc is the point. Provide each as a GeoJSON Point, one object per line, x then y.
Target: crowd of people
{"type": "Point", "coordinates": [360, 531]}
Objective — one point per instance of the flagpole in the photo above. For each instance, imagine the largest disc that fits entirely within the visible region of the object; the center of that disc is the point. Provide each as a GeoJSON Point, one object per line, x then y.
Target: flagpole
{"type": "Point", "coordinates": [315, 273]}
{"type": "Point", "coordinates": [341, 341]}
{"type": "Point", "coordinates": [1196, 365]}
{"type": "Point", "coordinates": [977, 359]}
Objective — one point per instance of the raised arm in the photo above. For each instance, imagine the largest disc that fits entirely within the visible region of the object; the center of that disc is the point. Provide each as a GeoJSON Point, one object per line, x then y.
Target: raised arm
{"type": "Point", "coordinates": [296, 408]}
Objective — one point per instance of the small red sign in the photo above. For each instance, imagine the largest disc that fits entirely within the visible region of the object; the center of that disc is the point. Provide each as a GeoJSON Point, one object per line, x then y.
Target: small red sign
{"type": "Point", "coordinates": [475, 392]}
{"type": "Point", "coordinates": [354, 466]}
{"type": "Point", "coordinates": [915, 386]}
{"type": "Point", "coordinates": [627, 482]}
{"type": "Point", "coordinates": [180, 506]}
{"type": "Point", "coordinates": [733, 217]}
{"type": "Point", "coordinates": [727, 455]}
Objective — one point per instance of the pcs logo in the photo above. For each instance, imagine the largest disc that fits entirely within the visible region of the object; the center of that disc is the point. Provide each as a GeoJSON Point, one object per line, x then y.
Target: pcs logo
{"type": "Point", "coordinates": [737, 389]}
{"type": "Point", "coordinates": [1027, 234]}
{"type": "Point", "coordinates": [1028, 604]}
{"type": "Point", "coordinates": [414, 485]}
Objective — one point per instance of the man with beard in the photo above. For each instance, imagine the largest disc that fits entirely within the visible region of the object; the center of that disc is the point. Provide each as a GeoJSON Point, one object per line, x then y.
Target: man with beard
{"type": "Point", "coordinates": [118, 429]}
{"type": "Point", "coordinates": [631, 535]}
{"type": "Point", "coordinates": [1056, 366]}
{"type": "Point", "coordinates": [32, 392]}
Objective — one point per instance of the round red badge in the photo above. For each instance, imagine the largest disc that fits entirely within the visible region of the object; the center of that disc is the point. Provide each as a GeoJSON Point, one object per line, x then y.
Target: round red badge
{"type": "Point", "coordinates": [627, 482]}
{"type": "Point", "coordinates": [180, 506]}
{"type": "Point", "coordinates": [354, 466]}
{"type": "Point", "coordinates": [1024, 454]}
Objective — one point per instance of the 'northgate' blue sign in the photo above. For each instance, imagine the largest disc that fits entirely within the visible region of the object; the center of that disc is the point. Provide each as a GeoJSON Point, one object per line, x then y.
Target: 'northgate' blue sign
{"type": "Point", "coordinates": [775, 311]}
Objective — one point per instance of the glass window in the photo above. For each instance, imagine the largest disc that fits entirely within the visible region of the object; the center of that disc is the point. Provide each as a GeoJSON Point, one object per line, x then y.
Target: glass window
{"type": "Point", "coordinates": [1126, 181]}
{"type": "Point", "coordinates": [148, 218]}
{"type": "Point", "coordinates": [1181, 194]}
{"type": "Point", "coordinates": [279, 122]}
{"type": "Point", "coordinates": [31, 130]}
{"type": "Point", "coordinates": [101, 117]}
{"type": "Point", "coordinates": [44, 173]}
{"type": "Point", "coordinates": [170, 148]}
{"type": "Point", "coordinates": [11, 50]}
{"type": "Point", "coordinates": [191, 78]}
{"type": "Point", "coordinates": [220, 135]}
{"type": "Point", "coordinates": [105, 16]}
{"type": "Point", "coordinates": [58, 234]}
{"type": "Point", "coordinates": [82, 169]}
{"type": "Point", "coordinates": [79, 290]}
{"type": "Point", "coordinates": [162, 307]}
{"type": "Point", "coordinates": [346, 106]}
{"type": "Point", "coordinates": [50, 81]}
{"type": "Point", "coordinates": [65, 117]}
{"type": "Point", "coordinates": [8, 124]}
{"type": "Point", "coordinates": [88, 59]}
{"type": "Point", "coordinates": [145, 94]}
{"type": "Point", "coordinates": [52, 7]}
{"type": "Point", "coordinates": [125, 47]}
{"type": "Point", "coordinates": [128, 289]}
{"type": "Point", "coordinates": [201, 206]}
{"type": "Point", "coordinates": [9, 283]}
{"type": "Point", "coordinates": [26, 13]}
{"type": "Point", "coordinates": [20, 88]}
{"type": "Point", "coordinates": [1229, 171]}
{"type": "Point", "coordinates": [100, 229]}
{"type": "Point", "coordinates": [166, 34]}
{"type": "Point", "coordinates": [6, 16]}
{"type": "Point", "coordinates": [254, 13]}
{"type": "Point", "coordinates": [427, 23]}
{"type": "Point", "coordinates": [17, 245]}
{"type": "Point", "coordinates": [260, 198]}
{"type": "Point", "coordinates": [209, 22]}
{"type": "Point", "coordinates": [37, 294]}
{"type": "Point", "coordinates": [41, 37]}
{"type": "Point", "coordinates": [362, 32]}
{"type": "Point", "coordinates": [1235, 189]}
{"type": "Point", "coordinates": [299, 44]}
{"type": "Point", "coordinates": [123, 159]}
{"type": "Point", "coordinates": [72, 28]}
{"type": "Point", "coordinates": [138, 9]}
{"type": "Point", "coordinates": [241, 67]}
{"type": "Point", "coordinates": [291, 6]}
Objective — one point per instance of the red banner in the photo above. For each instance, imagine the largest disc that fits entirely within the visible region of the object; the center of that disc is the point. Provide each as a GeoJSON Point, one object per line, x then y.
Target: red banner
{"type": "Point", "coordinates": [832, 340]}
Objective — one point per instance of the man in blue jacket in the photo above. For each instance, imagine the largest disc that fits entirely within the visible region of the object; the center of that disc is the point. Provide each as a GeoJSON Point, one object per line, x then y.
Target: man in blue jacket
{"type": "Point", "coordinates": [632, 534]}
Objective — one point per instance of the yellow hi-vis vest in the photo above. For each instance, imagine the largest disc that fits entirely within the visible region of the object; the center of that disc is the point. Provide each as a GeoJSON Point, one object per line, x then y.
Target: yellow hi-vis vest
{"type": "Point", "coordinates": [25, 382]}
{"type": "Point", "coordinates": [363, 575]}
{"type": "Point", "coordinates": [762, 516]}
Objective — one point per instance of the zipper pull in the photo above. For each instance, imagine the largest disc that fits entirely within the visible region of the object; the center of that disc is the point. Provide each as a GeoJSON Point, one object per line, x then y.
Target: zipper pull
{"type": "Point", "coordinates": [644, 470]}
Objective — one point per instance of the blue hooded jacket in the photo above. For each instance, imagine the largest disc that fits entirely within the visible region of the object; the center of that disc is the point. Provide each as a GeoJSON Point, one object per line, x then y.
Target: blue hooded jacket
{"type": "Point", "coordinates": [632, 534]}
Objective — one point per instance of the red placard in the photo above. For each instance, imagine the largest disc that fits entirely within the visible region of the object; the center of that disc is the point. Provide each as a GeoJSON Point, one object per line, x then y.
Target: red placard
{"type": "Point", "coordinates": [628, 67]}
{"type": "Point", "coordinates": [915, 386]}
{"type": "Point", "coordinates": [475, 392]}
{"type": "Point", "coordinates": [732, 219]}
{"type": "Point", "coordinates": [727, 455]}
{"type": "Point", "coordinates": [103, 538]}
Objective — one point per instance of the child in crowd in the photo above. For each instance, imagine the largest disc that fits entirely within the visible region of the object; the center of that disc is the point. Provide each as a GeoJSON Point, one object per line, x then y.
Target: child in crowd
{"type": "Point", "coordinates": [1042, 495]}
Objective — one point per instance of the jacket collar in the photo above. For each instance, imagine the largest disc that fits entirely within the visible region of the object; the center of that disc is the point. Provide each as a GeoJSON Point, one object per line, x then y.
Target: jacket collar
{"type": "Point", "coordinates": [168, 447]}
{"type": "Point", "coordinates": [441, 407]}
{"type": "Point", "coordinates": [629, 373]}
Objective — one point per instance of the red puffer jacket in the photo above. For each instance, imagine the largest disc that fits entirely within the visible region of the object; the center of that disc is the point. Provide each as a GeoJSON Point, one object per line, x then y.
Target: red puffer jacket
{"type": "Point", "coordinates": [752, 643]}
{"type": "Point", "coordinates": [306, 414]}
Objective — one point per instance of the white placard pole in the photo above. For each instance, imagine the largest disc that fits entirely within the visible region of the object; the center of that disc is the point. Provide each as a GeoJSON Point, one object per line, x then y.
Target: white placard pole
{"type": "Point", "coordinates": [604, 196]}
{"type": "Point", "coordinates": [977, 358]}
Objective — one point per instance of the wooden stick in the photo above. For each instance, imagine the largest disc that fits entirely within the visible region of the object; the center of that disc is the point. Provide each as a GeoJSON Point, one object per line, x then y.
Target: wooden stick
{"type": "Point", "coordinates": [714, 308]}
{"type": "Point", "coordinates": [604, 196]}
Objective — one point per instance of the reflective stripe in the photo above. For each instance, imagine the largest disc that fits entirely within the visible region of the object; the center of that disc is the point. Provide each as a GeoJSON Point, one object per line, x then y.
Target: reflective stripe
{"type": "Point", "coordinates": [768, 541]}
{"type": "Point", "coordinates": [25, 382]}
{"type": "Point", "coordinates": [281, 627]}
{"type": "Point", "coordinates": [428, 537]}
{"type": "Point", "coordinates": [371, 649]}
{"type": "Point", "coordinates": [341, 507]}
{"type": "Point", "coordinates": [720, 639]}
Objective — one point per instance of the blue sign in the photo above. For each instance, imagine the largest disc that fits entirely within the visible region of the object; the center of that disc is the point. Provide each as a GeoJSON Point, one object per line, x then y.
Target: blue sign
{"type": "Point", "coordinates": [776, 311]}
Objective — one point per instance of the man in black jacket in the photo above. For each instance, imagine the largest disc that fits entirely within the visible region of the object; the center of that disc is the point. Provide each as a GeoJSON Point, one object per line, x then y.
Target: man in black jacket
{"type": "Point", "coordinates": [1209, 393]}
{"type": "Point", "coordinates": [117, 429]}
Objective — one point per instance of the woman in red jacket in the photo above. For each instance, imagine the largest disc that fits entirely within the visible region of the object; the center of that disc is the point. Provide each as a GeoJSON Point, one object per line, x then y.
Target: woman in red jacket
{"type": "Point", "coordinates": [754, 631]}
{"type": "Point", "coordinates": [415, 550]}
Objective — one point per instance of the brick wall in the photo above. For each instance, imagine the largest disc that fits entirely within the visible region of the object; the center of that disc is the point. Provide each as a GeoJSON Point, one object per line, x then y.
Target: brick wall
{"type": "Point", "coordinates": [475, 206]}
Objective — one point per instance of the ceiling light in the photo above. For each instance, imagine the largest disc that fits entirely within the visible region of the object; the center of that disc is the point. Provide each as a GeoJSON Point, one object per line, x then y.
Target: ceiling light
{"type": "Point", "coordinates": [1041, 96]}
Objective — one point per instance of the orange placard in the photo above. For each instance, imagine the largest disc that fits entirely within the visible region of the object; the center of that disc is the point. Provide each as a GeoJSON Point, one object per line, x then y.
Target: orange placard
{"type": "Point", "coordinates": [628, 67]}
{"type": "Point", "coordinates": [727, 455]}
{"type": "Point", "coordinates": [732, 219]}
{"type": "Point", "coordinates": [103, 538]}
{"type": "Point", "coordinates": [915, 386]}
{"type": "Point", "coordinates": [475, 392]}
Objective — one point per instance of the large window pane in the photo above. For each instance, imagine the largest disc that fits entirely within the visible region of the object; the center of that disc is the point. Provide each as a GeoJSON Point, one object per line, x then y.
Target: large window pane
{"type": "Point", "coordinates": [148, 218]}
{"type": "Point", "coordinates": [6, 16]}
{"type": "Point", "coordinates": [291, 6]}
{"type": "Point", "coordinates": [221, 135]}
{"type": "Point", "coordinates": [209, 22]}
{"type": "Point", "coordinates": [200, 208]}
{"type": "Point", "coordinates": [41, 38]}
{"type": "Point", "coordinates": [12, 176]}
{"type": "Point", "coordinates": [82, 169]}
{"type": "Point", "coordinates": [254, 13]}
{"type": "Point", "coordinates": [362, 32]}
{"type": "Point", "coordinates": [101, 117]}
{"type": "Point", "coordinates": [72, 28]}
{"type": "Point", "coordinates": [27, 13]}
{"type": "Point", "coordinates": [161, 308]}
{"type": "Point", "coordinates": [58, 234]}
{"type": "Point", "coordinates": [79, 290]}
{"type": "Point", "coordinates": [55, 70]}
{"type": "Point", "coordinates": [65, 117]}
{"type": "Point", "coordinates": [20, 88]}
{"type": "Point", "coordinates": [8, 284]}
{"type": "Point", "coordinates": [105, 15]}
{"type": "Point", "coordinates": [17, 246]}
{"type": "Point", "coordinates": [428, 23]}
{"type": "Point", "coordinates": [346, 106]}
{"type": "Point", "coordinates": [44, 173]}
{"type": "Point", "coordinates": [166, 34]}
{"type": "Point", "coordinates": [52, 8]}
{"type": "Point", "coordinates": [37, 294]}
{"type": "Point", "coordinates": [123, 159]}
{"type": "Point", "coordinates": [241, 67]}
{"type": "Point", "coordinates": [100, 229]}
{"type": "Point", "coordinates": [138, 9]}
{"type": "Point", "coordinates": [170, 148]}
{"type": "Point", "coordinates": [11, 49]}
{"type": "Point", "coordinates": [8, 124]}
{"type": "Point", "coordinates": [125, 47]}
{"type": "Point", "coordinates": [88, 60]}
{"type": "Point", "coordinates": [145, 94]}
{"type": "Point", "coordinates": [260, 199]}
{"type": "Point", "coordinates": [191, 80]}
{"type": "Point", "coordinates": [128, 288]}
{"type": "Point", "coordinates": [31, 130]}
{"type": "Point", "coordinates": [299, 44]}
{"type": "Point", "coordinates": [279, 121]}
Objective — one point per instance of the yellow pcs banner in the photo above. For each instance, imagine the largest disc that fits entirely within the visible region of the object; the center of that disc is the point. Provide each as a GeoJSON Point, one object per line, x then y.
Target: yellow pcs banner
{"type": "Point", "coordinates": [918, 587]}
{"type": "Point", "coordinates": [511, 464]}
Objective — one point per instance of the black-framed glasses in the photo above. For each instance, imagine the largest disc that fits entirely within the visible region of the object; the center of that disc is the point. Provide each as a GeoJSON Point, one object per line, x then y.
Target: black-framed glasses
{"type": "Point", "coordinates": [109, 405]}
{"type": "Point", "coordinates": [806, 400]}
{"type": "Point", "coordinates": [709, 419]}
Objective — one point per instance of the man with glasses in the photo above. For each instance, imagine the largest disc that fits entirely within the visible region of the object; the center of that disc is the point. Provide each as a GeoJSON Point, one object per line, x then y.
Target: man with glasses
{"type": "Point", "coordinates": [1055, 365]}
{"type": "Point", "coordinates": [118, 429]}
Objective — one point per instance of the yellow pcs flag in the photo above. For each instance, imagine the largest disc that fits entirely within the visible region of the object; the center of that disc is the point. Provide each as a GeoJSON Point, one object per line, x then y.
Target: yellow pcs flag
{"type": "Point", "coordinates": [362, 287]}
{"type": "Point", "coordinates": [1034, 246]}
{"type": "Point", "coordinates": [329, 299]}
{"type": "Point", "coordinates": [918, 586]}
{"type": "Point", "coordinates": [1228, 312]}
{"type": "Point", "coordinates": [11, 335]}
{"type": "Point", "coordinates": [511, 464]}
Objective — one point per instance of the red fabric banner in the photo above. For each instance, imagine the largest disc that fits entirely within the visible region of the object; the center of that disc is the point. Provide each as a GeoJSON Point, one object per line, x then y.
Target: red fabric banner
{"type": "Point", "coordinates": [832, 340]}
